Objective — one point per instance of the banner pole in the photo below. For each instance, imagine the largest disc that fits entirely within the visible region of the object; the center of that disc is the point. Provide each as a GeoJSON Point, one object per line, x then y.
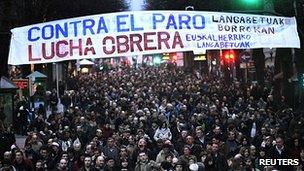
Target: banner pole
{"type": "Point", "coordinates": [57, 81]}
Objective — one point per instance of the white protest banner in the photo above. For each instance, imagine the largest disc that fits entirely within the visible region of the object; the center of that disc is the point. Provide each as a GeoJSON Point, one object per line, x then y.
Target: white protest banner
{"type": "Point", "coordinates": [147, 32]}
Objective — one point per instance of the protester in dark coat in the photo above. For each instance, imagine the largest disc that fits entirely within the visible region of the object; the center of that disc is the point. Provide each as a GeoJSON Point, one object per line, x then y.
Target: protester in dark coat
{"type": "Point", "coordinates": [21, 163]}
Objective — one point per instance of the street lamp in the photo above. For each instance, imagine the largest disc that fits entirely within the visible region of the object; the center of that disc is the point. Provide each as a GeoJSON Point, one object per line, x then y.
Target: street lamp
{"type": "Point", "coordinates": [189, 8]}
{"type": "Point", "coordinates": [250, 4]}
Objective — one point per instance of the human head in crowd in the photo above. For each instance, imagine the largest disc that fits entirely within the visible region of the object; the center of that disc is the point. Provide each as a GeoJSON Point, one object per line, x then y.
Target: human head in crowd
{"type": "Point", "coordinates": [65, 155]}
{"type": "Point", "coordinates": [100, 162]}
{"type": "Point", "coordinates": [7, 156]}
{"type": "Point", "coordinates": [49, 142]}
{"type": "Point", "coordinates": [124, 165]}
{"type": "Point", "coordinates": [63, 164]}
{"type": "Point", "coordinates": [89, 150]}
{"type": "Point", "coordinates": [19, 156]}
{"type": "Point", "coordinates": [143, 157]}
{"type": "Point", "coordinates": [110, 164]}
{"type": "Point", "coordinates": [279, 143]}
{"type": "Point", "coordinates": [165, 165]}
{"type": "Point", "coordinates": [180, 166]}
{"type": "Point", "coordinates": [142, 143]}
{"type": "Point", "coordinates": [253, 151]}
{"type": "Point", "coordinates": [77, 147]}
{"type": "Point", "coordinates": [39, 166]}
{"type": "Point", "coordinates": [87, 163]}
{"type": "Point", "coordinates": [55, 146]}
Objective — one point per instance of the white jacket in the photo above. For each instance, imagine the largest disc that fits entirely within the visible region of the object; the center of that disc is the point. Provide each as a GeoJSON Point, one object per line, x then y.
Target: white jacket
{"type": "Point", "coordinates": [162, 133]}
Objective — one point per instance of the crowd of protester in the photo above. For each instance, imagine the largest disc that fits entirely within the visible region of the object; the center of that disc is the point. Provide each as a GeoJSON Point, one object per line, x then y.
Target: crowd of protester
{"type": "Point", "coordinates": [159, 118]}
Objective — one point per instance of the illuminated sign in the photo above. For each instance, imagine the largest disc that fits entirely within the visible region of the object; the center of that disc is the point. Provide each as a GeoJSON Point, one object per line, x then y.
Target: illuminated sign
{"type": "Point", "coordinates": [21, 83]}
{"type": "Point", "coordinates": [200, 57]}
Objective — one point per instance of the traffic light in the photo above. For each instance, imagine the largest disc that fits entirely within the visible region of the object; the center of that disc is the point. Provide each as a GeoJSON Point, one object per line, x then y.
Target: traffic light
{"type": "Point", "coordinates": [170, 57]}
{"type": "Point", "coordinates": [228, 56]}
{"type": "Point", "coordinates": [250, 4]}
{"type": "Point", "coordinates": [166, 56]}
{"type": "Point", "coordinates": [173, 57]}
{"type": "Point", "coordinates": [157, 60]}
